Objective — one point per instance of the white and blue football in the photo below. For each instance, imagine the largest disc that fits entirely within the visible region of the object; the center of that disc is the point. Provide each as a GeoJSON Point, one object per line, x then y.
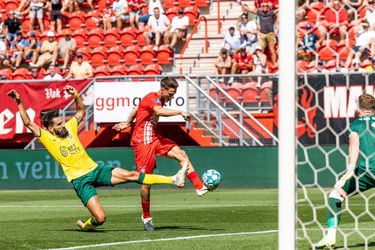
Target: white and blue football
{"type": "Point", "coordinates": [211, 179]}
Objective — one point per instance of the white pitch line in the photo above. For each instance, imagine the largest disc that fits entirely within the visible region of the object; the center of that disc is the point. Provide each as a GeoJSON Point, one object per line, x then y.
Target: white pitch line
{"type": "Point", "coordinates": [164, 239]}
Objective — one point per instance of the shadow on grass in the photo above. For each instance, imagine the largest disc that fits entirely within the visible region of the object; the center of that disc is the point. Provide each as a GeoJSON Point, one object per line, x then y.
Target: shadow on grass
{"type": "Point", "coordinates": [188, 228]}
{"type": "Point", "coordinates": [141, 230]}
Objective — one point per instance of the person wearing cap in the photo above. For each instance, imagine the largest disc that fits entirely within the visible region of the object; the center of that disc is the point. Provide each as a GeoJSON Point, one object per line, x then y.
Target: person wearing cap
{"type": "Point", "coordinates": [67, 48]}
{"type": "Point", "coordinates": [259, 61]}
{"type": "Point", "coordinates": [17, 48]}
{"type": "Point", "coordinates": [178, 29]}
{"type": "Point", "coordinates": [80, 69]}
{"type": "Point", "coordinates": [310, 41]}
{"type": "Point", "coordinates": [52, 74]}
{"type": "Point", "coordinates": [157, 26]}
{"type": "Point", "coordinates": [232, 40]}
{"type": "Point", "coordinates": [56, 7]}
{"type": "Point", "coordinates": [223, 62]}
{"type": "Point", "coordinates": [364, 44]}
{"type": "Point", "coordinates": [12, 25]}
{"type": "Point", "coordinates": [49, 50]}
{"type": "Point", "coordinates": [33, 48]}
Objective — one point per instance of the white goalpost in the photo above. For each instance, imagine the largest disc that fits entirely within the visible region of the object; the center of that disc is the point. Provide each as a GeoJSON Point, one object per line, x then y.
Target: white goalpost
{"type": "Point", "coordinates": [287, 128]}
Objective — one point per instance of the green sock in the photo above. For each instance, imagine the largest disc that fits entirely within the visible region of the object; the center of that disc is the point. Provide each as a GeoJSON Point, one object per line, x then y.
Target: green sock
{"type": "Point", "coordinates": [141, 178]}
{"type": "Point", "coordinates": [334, 218]}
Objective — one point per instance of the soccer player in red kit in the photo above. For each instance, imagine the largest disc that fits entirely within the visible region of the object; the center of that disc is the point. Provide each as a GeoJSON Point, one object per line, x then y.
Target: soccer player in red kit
{"type": "Point", "coordinates": [147, 143]}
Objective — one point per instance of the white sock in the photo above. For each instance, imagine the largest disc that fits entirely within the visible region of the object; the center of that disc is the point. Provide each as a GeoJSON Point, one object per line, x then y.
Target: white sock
{"type": "Point", "coordinates": [331, 233]}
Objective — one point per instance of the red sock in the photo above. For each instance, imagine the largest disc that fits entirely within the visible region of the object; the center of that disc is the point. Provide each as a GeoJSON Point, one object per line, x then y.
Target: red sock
{"type": "Point", "coordinates": [194, 178]}
{"type": "Point", "coordinates": [146, 209]}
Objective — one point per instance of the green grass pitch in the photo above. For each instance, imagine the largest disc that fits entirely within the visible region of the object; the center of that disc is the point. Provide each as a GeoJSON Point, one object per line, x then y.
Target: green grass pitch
{"type": "Point", "coordinates": [224, 219]}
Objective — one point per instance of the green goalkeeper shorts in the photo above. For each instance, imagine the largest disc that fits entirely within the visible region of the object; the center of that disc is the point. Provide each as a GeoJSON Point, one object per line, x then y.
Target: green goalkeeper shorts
{"type": "Point", "coordinates": [86, 184]}
{"type": "Point", "coordinates": [363, 180]}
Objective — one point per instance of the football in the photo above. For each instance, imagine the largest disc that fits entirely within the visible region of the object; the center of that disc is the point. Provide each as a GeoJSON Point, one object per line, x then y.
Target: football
{"type": "Point", "coordinates": [211, 179]}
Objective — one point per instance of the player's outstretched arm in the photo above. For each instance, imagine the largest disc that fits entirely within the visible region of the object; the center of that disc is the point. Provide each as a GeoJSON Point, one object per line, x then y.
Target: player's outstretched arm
{"type": "Point", "coordinates": [159, 111]}
{"type": "Point", "coordinates": [124, 125]}
{"type": "Point", "coordinates": [35, 129]}
{"type": "Point", "coordinates": [81, 112]}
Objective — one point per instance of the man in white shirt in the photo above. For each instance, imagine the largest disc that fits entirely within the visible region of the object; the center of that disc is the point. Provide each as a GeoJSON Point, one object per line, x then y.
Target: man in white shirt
{"type": "Point", "coordinates": [248, 30]}
{"type": "Point", "coordinates": [52, 74]}
{"type": "Point", "coordinates": [232, 40]}
{"type": "Point", "coordinates": [157, 25]}
{"type": "Point", "coordinates": [121, 12]}
{"type": "Point", "coordinates": [370, 13]}
{"type": "Point", "coordinates": [178, 29]}
{"type": "Point", "coordinates": [143, 19]}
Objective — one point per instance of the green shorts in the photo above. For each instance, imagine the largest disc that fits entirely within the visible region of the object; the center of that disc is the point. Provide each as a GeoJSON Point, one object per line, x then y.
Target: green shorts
{"type": "Point", "coordinates": [86, 184]}
{"type": "Point", "coordinates": [363, 181]}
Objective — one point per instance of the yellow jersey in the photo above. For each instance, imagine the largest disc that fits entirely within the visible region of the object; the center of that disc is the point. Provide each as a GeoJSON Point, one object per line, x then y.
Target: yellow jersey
{"type": "Point", "coordinates": [68, 152]}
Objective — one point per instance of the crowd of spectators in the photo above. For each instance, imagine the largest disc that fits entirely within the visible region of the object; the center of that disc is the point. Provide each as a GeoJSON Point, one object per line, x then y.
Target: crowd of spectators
{"type": "Point", "coordinates": [40, 44]}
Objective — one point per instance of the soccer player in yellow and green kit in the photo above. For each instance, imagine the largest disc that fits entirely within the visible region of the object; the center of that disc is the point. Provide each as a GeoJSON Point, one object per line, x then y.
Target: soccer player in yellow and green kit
{"type": "Point", "coordinates": [62, 142]}
{"type": "Point", "coordinates": [361, 135]}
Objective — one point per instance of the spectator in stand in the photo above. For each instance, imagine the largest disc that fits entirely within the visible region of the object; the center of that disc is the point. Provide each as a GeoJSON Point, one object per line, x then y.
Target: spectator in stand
{"type": "Point", "coordinates": [52, 74]}
{"type": "Point", "coordinates": [35, 10]}
{"type": "Point", "coordinates": [365, 43]}
{"type": "Point", "coordinates": [259, 61]}
{"type": "Point", "coordinates": [266, 34]}
{"type": "Point", "coordinates": [2, 27]}
{"type": "Point", "coordinates": [370, 13]}
{"type": "Point", "coordinates": [4, 57]}
{"type": "Point", "coordinates": [33, 48]}
{"type": "Point", "coordinates": [356, 68]}
{"type": "Point", "coordinates": [320, 68]}
{"type": "Point", "coordinates": [55, 7]}
{"type": "Point", "coordinates": [35, 75]}
{"type": "Point", "coordinates": [371, 67]}
{"type": "Point", "coordinates": [352, 7]}
{"type": "Point", "coordinates": [17, 48]}
{"type": "Point", "coordinates": [232, 40]}
{"type": "Point", "coordinates": [333, 26]}
{"type": "Point", "coordinates": [223, 62]}
{"type": "Point", "coordinates": [135, 11]}
{"type": "Point", "coordinates": [143, 19]}
{"type": "Point", "coordinates": [242, 63]}
{"type": "Point", "coordinates": [12, 25]}
{"type": "Point", "coordinates": [67, 48]}
{"type": "Point", "coordinates": [121, 12]}
{"type": "Point", "coordinates": [309, 43]}
{"type": "Point", "coordinates": [48, 51]}
{"type": "Point", "coordinates": [250, 16]}
{"type": "Point", "coordinates": [178, 29]}
{"type": "Point", "coordinates": [157, 25]}
{"type": "Point", "coordinates": [76, 3]}
{"type": "Point", "coordinates": [106, 16]}
{"type": "Point", "coordinates": [248, 31]}
{"type": "Point", "coordinates": [273, 4]}
{"type": "Point", "coordinates": [80, 69]}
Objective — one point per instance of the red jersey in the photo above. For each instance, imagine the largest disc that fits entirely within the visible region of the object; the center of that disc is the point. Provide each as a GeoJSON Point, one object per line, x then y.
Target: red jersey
{"type": "Point", "coordinates": [245, 60]}
{"type": "Point", "coordinates": [331, 16]}
{"type": "Point", "coordinates": [145, 130]}
{"type": "Point", "coordinates": [136, 2]}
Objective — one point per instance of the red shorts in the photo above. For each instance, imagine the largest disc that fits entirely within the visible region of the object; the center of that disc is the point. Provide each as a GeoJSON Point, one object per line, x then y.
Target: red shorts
{"type": "Point", "coordinates": [145, 154]}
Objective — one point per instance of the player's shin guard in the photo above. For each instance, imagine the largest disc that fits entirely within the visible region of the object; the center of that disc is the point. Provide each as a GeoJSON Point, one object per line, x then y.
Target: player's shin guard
{"type": "Point", "coordinates": [150, 179]}
{"type": "Point", "coordinates": [195, 180]}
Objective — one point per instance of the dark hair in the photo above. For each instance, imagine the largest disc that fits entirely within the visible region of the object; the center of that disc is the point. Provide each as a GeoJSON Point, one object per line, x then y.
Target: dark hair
{"type": "Point", "coordinates": [168, 82]}
{"type": "Point", "coordinates": [366, 102]}
{"type": "Point", "coordinates": [48, 117]}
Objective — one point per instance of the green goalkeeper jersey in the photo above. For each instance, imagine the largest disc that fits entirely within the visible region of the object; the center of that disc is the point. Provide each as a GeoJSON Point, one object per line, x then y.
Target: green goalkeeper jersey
{"type": "Point", "coordinates": [365, 128]}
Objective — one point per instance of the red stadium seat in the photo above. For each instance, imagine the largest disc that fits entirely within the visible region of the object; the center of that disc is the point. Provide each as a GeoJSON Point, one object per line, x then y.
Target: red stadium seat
{"type": "Point", "coordinates": [101, 71]}
{"type": "Point", "coordinates": [136, 69]}
{"type": "Point", "coordinates": [140, 38]}
{"type": "Point", "coordinates": [329, 43]}
{"type": "Point", "coordinates": [86, 52]}
{"type": "Point", "coordinates": [147, 54]}
{"type": "Point", "coordinates": [326, 54]}
{"type": "Point", "coordinates": [184, 3]}
{"type": "Point", "coordinates": [201, 3]}
{"type": "Point", "coordinates": [131, 54]}
{"type": "Point", "coordinates": [111, 37]}
{"type": "Point", "coordinates": [119, 70]}
{"type": "Point", "coordinates": [153, 69]}
{"type": "Point", "coordinates": [331, 64]}
{"type": "Point", "coordinates": [80, 36]}
{"type": "Point", "coordinates": [250, 92]}
{"type": "Point", "coordinates": [76, 19]}
{"type": "Point", "coordinates": [171, 13]}
{"type": "Point", "coordinates": [215, 94]}
{"type": "Point", "coordinates": [192, 12]}
{"type": "Point", "coordinates": [128, 35]}
{"type": "Point", "coordinates": [95, 37]}
{"type": "Point", "coordinates": [7, 73]}
{"type": "Point", "coordinates": [10, 5]}
{"type": "Point", "coordinates": [317, 5]}
{"type": "Point", "coordinates": [169, 4]}
{"type": "Point", "coordinates": [164, 55]}
{"type": "Point", "coordinates": [263, 96]}
{"type": "Point", "coordinates": [114, 55]}
{"type": "Point", "coordinates": [20, 74]}
{"type": "Point", "coordinates": [98, 55]}
{"type": "Point", "coordinates": [26, 24]}
{"type": "Point", "coordinates": [302, 65]}
{"type": "Point", "coordinates": [343, 53]}
{"type": "Point", "coordinates": [235, 91]}
{"type": "Point", "coordinates": [92, 19]}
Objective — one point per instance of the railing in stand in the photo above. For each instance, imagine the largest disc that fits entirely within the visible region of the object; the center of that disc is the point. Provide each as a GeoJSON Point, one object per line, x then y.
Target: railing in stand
{"type": "Point", "coordinates": [191, 36]}
{"type": "Point", "coordinates": [218, 18]}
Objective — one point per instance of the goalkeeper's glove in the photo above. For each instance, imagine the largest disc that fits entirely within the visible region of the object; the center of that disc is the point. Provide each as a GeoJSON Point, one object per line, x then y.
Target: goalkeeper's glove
{"type": "Point", "coordinates": [349, 174]}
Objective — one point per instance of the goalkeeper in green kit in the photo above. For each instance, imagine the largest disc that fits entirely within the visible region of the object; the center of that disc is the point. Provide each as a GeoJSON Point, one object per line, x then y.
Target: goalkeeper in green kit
{"type": "Point", "coordinates": [361, 142]}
